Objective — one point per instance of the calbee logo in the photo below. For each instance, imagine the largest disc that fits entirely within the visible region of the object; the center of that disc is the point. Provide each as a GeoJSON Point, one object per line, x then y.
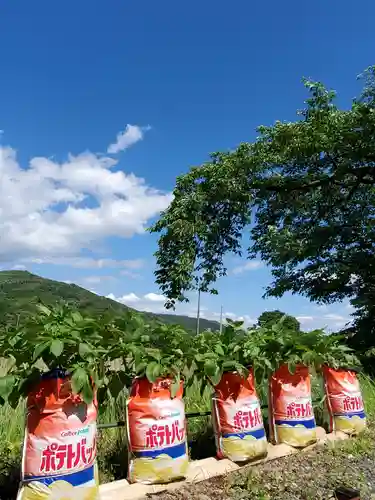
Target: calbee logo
{"type": "Point", "coordinates": [79, 432]}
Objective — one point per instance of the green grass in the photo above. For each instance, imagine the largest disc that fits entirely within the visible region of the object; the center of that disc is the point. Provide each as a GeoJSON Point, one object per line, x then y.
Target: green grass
{"type": "Point", "coordinates": [112, 457]}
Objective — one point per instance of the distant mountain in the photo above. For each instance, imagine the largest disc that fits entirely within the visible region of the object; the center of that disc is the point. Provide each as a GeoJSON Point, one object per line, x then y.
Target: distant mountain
{"type": "Point", "coordinates": [190, 323]}
{"type": "Point", "coordinates": [20, 291]}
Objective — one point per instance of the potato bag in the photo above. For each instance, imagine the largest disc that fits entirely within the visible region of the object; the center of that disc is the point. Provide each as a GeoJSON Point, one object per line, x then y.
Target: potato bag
{"type": "Point", "coordinates": [290, 406]}
{"type": "Point", "coordinates": [237, 419]}
{"type": "Point", "coordinates": [59, 452]}
{"type": "Point", "coordinates": [344, 401]}
{"type": "Point", "coordinates": [156, 427]}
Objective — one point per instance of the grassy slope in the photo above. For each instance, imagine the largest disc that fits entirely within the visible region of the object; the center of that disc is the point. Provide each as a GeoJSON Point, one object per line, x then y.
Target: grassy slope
{"type": "Point", "coordinates": [20, 291]}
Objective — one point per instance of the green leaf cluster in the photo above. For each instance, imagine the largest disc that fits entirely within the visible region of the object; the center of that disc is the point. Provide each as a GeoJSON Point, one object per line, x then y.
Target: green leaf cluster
{"type": "Point", "coordinates": [56, 338]}
{"type": "Point", "coordinates": [105, 355]}
{"type": "Point", "coordinates": [216, 353]}
{"type": "Point", "coordinates": [155, 351]}
{"type": "Point", "coordinates": [264, 349]}
{"type": "Point", "coordinates": [271, 347]}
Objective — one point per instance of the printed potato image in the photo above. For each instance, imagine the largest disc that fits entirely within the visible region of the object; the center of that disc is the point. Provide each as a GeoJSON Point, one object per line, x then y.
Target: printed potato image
{"type": "Point", "coordinates": [242, 450]}
{"type": "Point", "coordinates": [352, 426]}
{"type": "Point", "coordinates": [91, 493]}
{"type": "Point", "coordinates": [59, 490]}
{"type": "Point", "coordinates": [162, 469]}
{"type": "Point", "coordinates": [34, 491]}
{"type": "Point", "coordinates": [297, 436]}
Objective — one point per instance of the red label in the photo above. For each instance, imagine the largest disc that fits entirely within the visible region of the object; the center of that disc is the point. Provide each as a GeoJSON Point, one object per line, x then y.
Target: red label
{"type": "Point", "coordinates": [245, 420]}
{"type": "Point", "coordinates": [64, 457]}
{"type": "Point", "coordinates": [165, 435]}
{"type": "Point", "coordinates": [299, 409]}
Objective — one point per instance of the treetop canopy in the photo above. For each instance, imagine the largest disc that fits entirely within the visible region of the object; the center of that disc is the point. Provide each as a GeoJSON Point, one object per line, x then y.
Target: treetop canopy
{"type": "Point", "coordinates": [305, 192]}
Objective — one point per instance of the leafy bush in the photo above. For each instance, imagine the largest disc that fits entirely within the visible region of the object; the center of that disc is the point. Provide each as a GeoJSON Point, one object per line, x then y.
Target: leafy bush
{"type": "Point", "coordinates": [269, 348]}
{"type": "Point", "coordinates": [269, 318]}
{"type": "Point", "coordinates": [108, 353]}
{"type": "Point", "coordinates": [152, 351]}
{"type": "Point", "coordinates": [56, 338]}
{"type": "Point", "coordinates": [215, 353]}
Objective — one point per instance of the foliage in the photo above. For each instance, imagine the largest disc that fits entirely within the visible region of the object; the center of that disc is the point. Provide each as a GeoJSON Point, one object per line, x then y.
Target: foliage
{"type": "Point", "coordinates": [271, 347]}
{"type": "Point", "coordinates": [153, 351]}
{"type": "Point", "coordinates": [215, 353]}
{"type": "Point", "coordinates": [108, 354]}
{"type": "Point", "coordinates": [269, 318]}
{"type": "Point", "coordinates": [21, 291]}
{"type": "Point", "coordinates": [265, 349]}
{"type": "Point", "coordinates": [89, 349]}
{"type": "Point", "coordinates": [9, 470]}
{"type": "Point", "coordinates": [306, 187]}
{"type": "Point", "coordinates": [55, 338]}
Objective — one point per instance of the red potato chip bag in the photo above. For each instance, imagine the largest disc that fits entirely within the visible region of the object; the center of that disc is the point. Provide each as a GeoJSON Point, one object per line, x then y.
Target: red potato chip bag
{"type": "Point", "coordinates": [291, 413]}
{"type": "Point", "coordinates": [344, 401]}
{"type": "Point", "coordinates": [59, 453]}
{"type": "Point", "coordinates": [156, 427]}
{"type": "Point", "coordinates": [237, 419]}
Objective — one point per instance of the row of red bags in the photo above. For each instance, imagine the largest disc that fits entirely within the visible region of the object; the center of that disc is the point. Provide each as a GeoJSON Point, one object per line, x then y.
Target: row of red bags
{"type": "Point", "coordinates": [59, 455]}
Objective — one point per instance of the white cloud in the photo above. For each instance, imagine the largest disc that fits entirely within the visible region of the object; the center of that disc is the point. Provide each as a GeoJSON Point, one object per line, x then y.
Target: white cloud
{"type": "Point", "coordinates": [249, 266]}
{"type": "Point", "coordinates": [305, 319]}
{"type": "Point", "coordinates": [18, 267]}
{"type": "Point", "coordinates": [335, 317]}
{"type": "Point", "coordinates": [125, 139]}
{"type": "Point", "coordinates": [330, 321]}
{"type": "Point", "coordinates": [129, 299]}
{"type": "Point", "coordinates": [87, 262]}
{"type": "Point", "coordinates": [94, 280]}
{"type": "Point", "coordinates": [155, 297]}
{"type": "Point", "coordinates": [248, 320]}
{"type": "Point", "coordinates": [153, 302]}
{"type": "Point", "coordinates": [51, 209]}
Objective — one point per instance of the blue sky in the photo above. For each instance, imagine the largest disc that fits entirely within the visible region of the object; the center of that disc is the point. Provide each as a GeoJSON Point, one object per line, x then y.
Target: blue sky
{"type": "Point", "coordinates": [95, 96]}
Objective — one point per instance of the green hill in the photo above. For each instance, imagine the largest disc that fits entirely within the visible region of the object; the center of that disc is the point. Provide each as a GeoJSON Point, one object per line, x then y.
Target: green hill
{"type": "Point", "coordinates": [20, 291]}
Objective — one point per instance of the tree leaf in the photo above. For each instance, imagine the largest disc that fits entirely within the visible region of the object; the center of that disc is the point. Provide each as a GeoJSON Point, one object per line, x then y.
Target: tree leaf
{"type": "Point", "coordinates": [219, 350]}
{"type": "Point", "coordinates": [152, 371]}
{"type": "Point", "coordinates": [79, 379]}
{"type": "Point", "coordinates": [77, 317]}
{"type": "Point", "coordinates": [44, 310]}
{"type": "Point", "coordinates": [87, 392]}
{"type": "Point", "coordinates": [175, 386]}
{"type": "Point", "coordinates": [140, 368]}
{"type": "Point", "coordinates": [39, 349]}
{"type": "Point", "coordinates": [84, 349]}
{"type": "Point", "coordinates": [292, 367]}
{"type": "Point", "coordinates": [7, 384]}
{"type": "Point", "coordinates": [210, 368]}
{"type": "Point", "coordinates": [56, 347]}
{"type": "Point", "coordinates": [216, 377]}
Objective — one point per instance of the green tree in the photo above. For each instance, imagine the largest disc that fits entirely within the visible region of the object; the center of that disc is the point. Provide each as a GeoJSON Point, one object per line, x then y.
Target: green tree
{"type": "Point", "coordinates": [269, 318]}
{"type": "Point", "coordinates": [304, 190]}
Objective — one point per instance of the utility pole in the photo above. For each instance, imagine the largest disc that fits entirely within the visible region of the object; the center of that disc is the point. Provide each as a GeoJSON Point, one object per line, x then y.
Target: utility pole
{"type": "Point", "coordinates": [221, 319]}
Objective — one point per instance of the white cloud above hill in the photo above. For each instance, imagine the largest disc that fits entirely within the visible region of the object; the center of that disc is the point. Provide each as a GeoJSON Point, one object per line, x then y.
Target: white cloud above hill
{"type": "Point", "coordinates": [55, 209]}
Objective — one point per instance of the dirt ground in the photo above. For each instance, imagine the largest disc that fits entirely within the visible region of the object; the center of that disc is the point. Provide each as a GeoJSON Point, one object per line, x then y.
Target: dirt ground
{"type": "Point", "coordinates": [312, 475]}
